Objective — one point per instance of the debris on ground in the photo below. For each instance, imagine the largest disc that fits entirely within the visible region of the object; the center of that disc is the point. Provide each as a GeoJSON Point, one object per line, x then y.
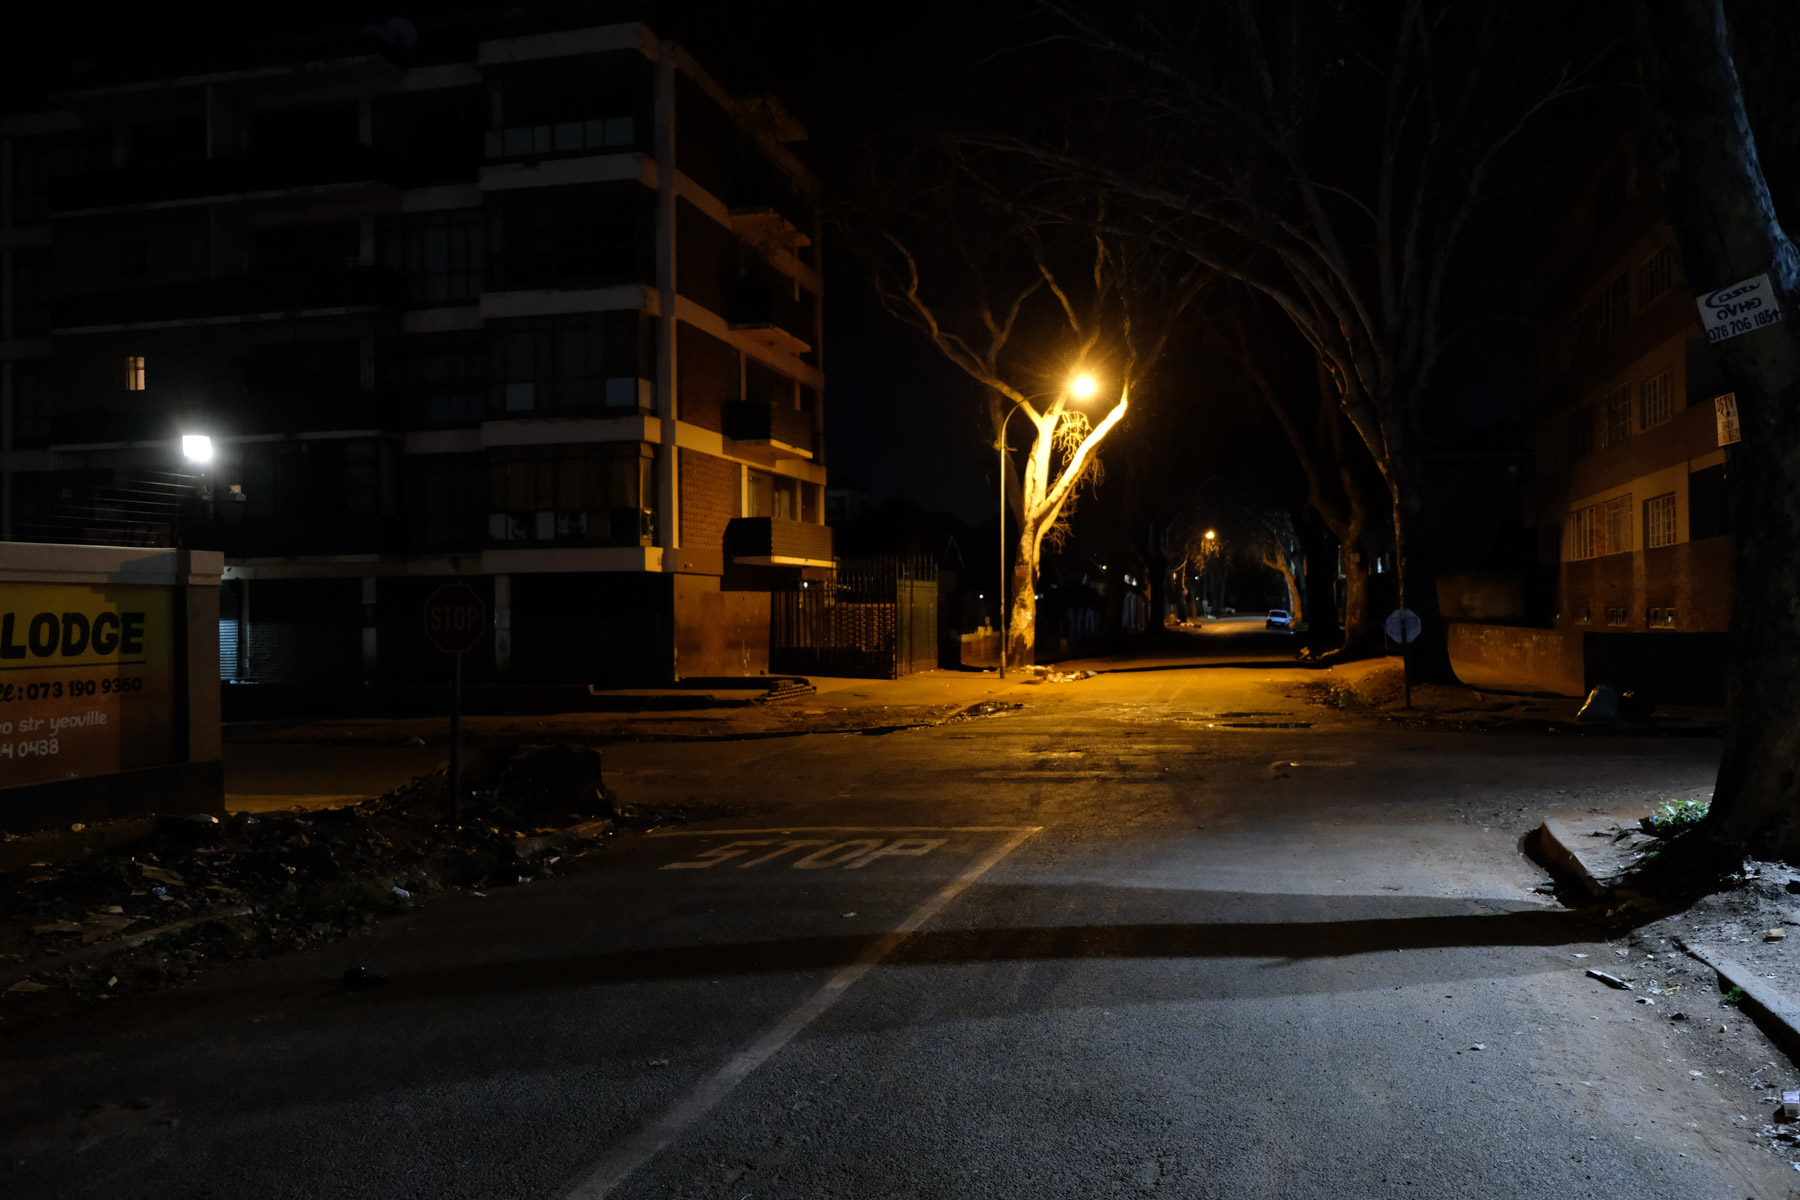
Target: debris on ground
{"type": "Point", "coordinates": [1612, 981]}
{"type": "Point", "coordinates": [148, 913]}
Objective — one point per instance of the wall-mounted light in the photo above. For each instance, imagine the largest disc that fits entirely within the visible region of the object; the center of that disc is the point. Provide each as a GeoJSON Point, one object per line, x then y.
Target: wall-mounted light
{"type": "Point", "coordinates": [196, 447]}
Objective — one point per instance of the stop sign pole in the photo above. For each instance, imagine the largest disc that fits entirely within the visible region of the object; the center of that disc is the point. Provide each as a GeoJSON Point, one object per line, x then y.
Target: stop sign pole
{"type": "Point", "coordinates": [455, 619]}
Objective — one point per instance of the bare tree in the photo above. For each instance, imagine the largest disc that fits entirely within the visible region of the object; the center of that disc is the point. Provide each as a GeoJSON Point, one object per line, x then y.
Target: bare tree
{"type": "Point", "coordinates": [1334, 474]}
{"type": "Point", "coordinates": [1328, 157]}
{"type": "Point", "coordinates": [1025, 304]}
{"type": "Point", "coordinates": [1722, 87]}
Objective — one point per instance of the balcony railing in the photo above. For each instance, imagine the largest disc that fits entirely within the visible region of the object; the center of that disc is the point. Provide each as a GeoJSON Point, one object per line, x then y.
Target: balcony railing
{"type": "Point", "coordinates": [202, 299]}
{"type": "Point", "coordinates": [221, 178]}
{"type": "Point", "coordinates": [769, 424]}
{"type": "Point", "coordinates": [777, 541]}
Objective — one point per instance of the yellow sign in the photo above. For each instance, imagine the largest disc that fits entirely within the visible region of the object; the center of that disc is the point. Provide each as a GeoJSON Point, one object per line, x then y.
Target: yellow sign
{"type": "Point", "coordinates": [87, 680]}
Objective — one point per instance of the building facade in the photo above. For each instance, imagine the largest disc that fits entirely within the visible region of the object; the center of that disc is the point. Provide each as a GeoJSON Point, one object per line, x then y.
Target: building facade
{"type": "Point", "coordinates": [1630, 497]}
{"type": "Point", "coordinates": [536, 308]}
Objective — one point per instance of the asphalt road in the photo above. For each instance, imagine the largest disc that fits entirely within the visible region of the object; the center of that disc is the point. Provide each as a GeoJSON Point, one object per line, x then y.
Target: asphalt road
{"type": "Point", "coordinates": [1168, 931]}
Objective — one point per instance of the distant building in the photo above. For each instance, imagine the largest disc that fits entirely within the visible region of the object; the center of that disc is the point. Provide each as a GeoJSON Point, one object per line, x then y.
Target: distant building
{"type": "Point", "coordinates": [531, 306]}
{"type": "Point", "coordinates": [1630, 497]}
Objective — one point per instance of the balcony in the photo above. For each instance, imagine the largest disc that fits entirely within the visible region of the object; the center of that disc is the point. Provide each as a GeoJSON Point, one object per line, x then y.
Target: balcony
{"type": "Point", "coordinates": [773, 541]}
{"type": "Point", "coordinates": [749, 423]}
{"type": "Point", "coordinates": [347, 173]}
{"type": "Point", "coordinates": [756, 312]}
{"type": "Point", "coordinates": [350, 289]}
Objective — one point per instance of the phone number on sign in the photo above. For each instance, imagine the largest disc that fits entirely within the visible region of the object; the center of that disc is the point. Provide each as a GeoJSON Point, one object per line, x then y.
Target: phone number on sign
{"type": "Point", "coordinates": [56, 689]}
{"type": "Point", "coordinates": [34, 748]}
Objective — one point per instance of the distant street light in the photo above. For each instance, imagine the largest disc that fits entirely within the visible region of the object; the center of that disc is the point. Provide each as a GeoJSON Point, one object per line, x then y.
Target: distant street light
{"type": "Point", "coordinates": [1080, 387]}
{"type": "Point", "coordinates": [196, 447]}
{"type": "Point", "coordinates": [1210, 535]}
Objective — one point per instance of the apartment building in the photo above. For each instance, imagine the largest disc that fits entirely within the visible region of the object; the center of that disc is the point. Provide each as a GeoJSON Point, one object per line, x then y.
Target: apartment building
{"type": "Point", "coordinates": [1631, 459]}
{"type": "Point", "coordinates": [529, 306]}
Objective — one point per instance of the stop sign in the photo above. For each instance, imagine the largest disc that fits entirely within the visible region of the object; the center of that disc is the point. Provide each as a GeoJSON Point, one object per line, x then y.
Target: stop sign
{"type": "Point", "coordinates": [455, 618]}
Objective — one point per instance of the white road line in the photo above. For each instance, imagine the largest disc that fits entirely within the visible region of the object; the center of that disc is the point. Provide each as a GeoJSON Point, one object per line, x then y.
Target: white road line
{"type": "Point", "coordinates": [625, 1159]}
{"type": "Point", "coordinates": [666, 832]}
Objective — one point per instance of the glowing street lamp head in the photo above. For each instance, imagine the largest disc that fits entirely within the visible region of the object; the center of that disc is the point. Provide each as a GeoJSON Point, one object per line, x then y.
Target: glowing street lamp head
{"type": "Point", "coordinates": [1210, 535]}
{"type": "Point", "coordinates": [1083, 386]}
{"type": "Point", "coordinates": [196, 447]}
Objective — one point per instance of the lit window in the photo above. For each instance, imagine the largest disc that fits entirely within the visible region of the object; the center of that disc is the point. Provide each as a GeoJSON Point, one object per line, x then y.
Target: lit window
{"type": "Point", "coordinates": [1659, 399]}
{"type": "Point", "coordinates": [1659, 521]}
{"type": "Point", "coordinates": [134, 372]}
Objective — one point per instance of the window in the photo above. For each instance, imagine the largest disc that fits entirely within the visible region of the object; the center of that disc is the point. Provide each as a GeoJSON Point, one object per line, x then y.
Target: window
{"type": "Point", "coordinates": [1604, 313]}
{"type": "Point", "coordinates": [1581, 433]}
{"type": "Point", "coordinates": [39, 161]}
{"type": "Point", "coordinates": [1618, 617]}
{"type": "Point", "coordinates": [1659, 399]}
{"type": "Point", "coordinates": [577, 236]}
{"type": "Point", "coordinates": [442, 378]}
{"type": "Point", "coordinates": [31, 402]}
{"type": "Point", "coordinates": [444, 500]}
{"type": "Point", "coordinates": [1585, 617]}
{"type": "Point", "coordinates": [1600, 529]}
{"type": "Point", "coordinates": [132, 370]}
{"type": "Point", "coordinates": [30, 293]}
{"type": "Point", "coordinates": [1659, 521]}
{"type": "Point", "coordinates": [304, 249]}
{"type": "Point", "coordinates": [1656, 275]}
{"type": "Point", "coordinates": [570, 493]}
{"type": "Point", "coordinates": [583, 106]}
{"type": "Point", "coordinates": [1615, 416]}
{"type": "Point", "coordinates": [439, 255]}
{"type": "Point", "coordinates": [583, 362]}
{"type": "Point", "coordinates": [1709, 503]}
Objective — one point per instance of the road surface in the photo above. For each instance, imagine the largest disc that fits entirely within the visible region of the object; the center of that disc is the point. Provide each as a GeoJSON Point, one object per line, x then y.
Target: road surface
{"type": "Point", "coordinates": [1168, 931]}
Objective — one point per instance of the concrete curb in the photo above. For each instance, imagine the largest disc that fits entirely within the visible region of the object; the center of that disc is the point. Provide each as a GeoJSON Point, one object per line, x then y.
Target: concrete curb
{"type": "Point", "coordinates": [1561, 849]}
{"type": "Point", "coordinates": [1775, 1013]}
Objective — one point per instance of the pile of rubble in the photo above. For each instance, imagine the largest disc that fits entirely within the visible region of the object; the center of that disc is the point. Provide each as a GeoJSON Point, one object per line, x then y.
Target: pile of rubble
{"type": "Point", "coordinates": [199, 890]}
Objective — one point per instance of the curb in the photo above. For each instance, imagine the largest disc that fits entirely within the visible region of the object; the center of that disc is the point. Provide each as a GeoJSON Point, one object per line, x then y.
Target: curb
{"type": "Point", "coordinates": [1558, 845]}
{"type": "Point", "coordinates": [1772, 1011]}
{"type": "Point", "coordinates": [114, 946]}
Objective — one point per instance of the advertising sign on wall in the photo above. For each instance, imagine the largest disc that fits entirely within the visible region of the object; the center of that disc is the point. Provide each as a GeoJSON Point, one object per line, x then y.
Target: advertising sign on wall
{"type": "Point", "coordinates": [87, 680]}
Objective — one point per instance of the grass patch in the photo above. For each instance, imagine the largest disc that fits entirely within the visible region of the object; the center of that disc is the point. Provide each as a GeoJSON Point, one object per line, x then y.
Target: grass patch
{"type": "Point", "coordinates": [1677, 817]}
{"type": "Point", "coordinates": [1732, 999]}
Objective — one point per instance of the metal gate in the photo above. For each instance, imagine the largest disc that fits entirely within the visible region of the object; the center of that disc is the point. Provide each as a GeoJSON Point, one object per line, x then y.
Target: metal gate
{"type": "Point", "coordinates": [872, 617]}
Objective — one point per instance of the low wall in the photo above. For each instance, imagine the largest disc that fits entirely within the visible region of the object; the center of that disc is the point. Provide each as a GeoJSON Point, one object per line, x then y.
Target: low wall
{"type": "Point", "coordinates": [1518, 657]}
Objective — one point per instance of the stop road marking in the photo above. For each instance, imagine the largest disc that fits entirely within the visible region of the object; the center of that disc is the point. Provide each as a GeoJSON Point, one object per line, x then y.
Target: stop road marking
{"type": "Point", "coordinates": [821, 853]}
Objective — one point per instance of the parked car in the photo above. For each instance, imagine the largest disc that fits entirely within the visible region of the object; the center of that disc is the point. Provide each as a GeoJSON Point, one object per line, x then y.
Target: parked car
{"type": "Point", "coordinates": [1279, 619]}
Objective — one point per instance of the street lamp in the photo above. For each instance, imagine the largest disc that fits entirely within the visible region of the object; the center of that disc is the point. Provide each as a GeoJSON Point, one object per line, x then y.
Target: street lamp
{"type": "Point", "coordinates": [1080, 387]}
{"type": "Point", "coordinates": [196, 447]}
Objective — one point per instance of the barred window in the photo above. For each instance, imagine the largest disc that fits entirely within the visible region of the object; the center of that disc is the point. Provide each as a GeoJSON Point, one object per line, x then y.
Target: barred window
{"type": "Point", "coordinates": [1604, 313]}
{"type": "Point", "coordinates": [1615, 416]}
{"type": "Point", "coordinates": [1600, 529]}
{"type": "Point", "coordinates": [1656, 275]}
{"type": "Point", "coordinates": [1659, 399]}
{"type": "Point", "coordinates": [1659, 521]}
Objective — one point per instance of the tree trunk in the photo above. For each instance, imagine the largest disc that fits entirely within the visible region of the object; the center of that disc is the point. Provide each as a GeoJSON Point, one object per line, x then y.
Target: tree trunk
{"type": "Point", "coordinates": [1321, 585]}
{"type": "Point", "coordinates": [1021, 632]}
{"type": "Point", "coordinates": [1428, 659]}
{"type": "Point", "coordinates": [1279, 564]}
{"type": "Point", "coordinates": [1728, 230]}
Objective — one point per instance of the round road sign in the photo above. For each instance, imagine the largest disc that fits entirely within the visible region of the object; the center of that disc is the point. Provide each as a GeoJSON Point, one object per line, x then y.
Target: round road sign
{"type": "Point", "coordinates": [455, 618]}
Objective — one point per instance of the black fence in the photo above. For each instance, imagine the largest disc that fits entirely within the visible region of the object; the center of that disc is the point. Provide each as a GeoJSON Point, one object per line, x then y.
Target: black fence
{"type": "Point", "coordinates": [872, 617]}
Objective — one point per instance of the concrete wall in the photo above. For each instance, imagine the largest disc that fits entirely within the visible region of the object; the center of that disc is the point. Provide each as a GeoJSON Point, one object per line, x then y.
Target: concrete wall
{"type": "Point", "coordinates": [1516, 657]}
{"type": "Point", "coordinates": [1482, 596]}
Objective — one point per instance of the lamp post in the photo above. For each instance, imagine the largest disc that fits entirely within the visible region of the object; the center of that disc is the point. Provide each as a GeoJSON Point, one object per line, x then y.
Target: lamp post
{"type": "Point", "coordinates": [1081, 387]}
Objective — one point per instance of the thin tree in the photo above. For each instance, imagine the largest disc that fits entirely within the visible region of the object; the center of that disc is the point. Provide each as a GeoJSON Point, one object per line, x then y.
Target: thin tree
{"type": "Point", "coordinates": [1026, 304]}
{"type": "Point", "coordinates": [1726, 104]}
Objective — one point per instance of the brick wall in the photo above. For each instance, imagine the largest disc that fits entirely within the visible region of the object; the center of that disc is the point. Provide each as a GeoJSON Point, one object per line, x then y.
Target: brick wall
{"type": "Point", "coordinates": [709, 499]}
{"type": "Point", "coordinates": [708, 374]}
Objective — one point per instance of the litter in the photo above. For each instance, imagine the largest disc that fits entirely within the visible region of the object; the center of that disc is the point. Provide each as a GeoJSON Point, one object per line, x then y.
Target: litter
{"type": "Point", "coordinates": [1612, 981]}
